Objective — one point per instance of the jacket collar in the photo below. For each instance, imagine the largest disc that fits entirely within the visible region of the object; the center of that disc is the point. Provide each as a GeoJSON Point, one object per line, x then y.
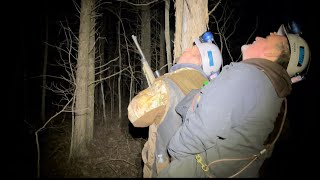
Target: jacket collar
{"type": "Point", "coordinates": [278, 76]}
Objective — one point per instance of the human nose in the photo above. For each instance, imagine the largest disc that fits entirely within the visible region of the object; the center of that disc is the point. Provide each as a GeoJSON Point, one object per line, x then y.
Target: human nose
{"type": "Point", "coordinates": [259, 38]}
{"type": "Point", "coordinates": [273, 33]}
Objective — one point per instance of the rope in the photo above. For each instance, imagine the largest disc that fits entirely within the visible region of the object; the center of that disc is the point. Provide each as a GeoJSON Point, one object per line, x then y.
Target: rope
{"type": "Point", "coordinates": [253, 158]}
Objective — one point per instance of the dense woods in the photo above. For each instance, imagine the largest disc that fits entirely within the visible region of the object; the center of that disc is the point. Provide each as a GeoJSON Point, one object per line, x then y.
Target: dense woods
{"type": "Point", "coordinates": [81, 68]}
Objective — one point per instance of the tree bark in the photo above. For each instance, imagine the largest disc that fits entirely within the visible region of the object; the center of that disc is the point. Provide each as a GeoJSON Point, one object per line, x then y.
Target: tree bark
{"type": "Point", "coordinates": [167, 34]}
{"type": "Point", "coordinates": [119, 78]}
{"type": "Point", "coordinates": [79, 147]}
{"type": "Point", "coordinates": [91, 74]}
{"type": "Point", "coordinates": [191, 22]}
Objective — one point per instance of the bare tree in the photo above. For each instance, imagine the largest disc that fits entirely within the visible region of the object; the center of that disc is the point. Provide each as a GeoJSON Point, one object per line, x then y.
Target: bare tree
{"type": "Point", "coordinates": [81, 134]}
{"type": "Point", "coordinates": [100, 92]}
{"type": "Point", "coordinates": [119, 77]}
{"type": "Point", "coordinates": [66, 87]}
{"type": "Point", "coordinates": [224, 24]}
{"type": "Point", "coordinates": [44, 72]}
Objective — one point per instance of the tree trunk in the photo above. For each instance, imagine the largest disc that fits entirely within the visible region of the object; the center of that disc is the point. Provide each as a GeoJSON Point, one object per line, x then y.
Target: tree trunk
{"type": "Point", "coordinates": [91, 74]}
{"type": "Point", "coordinates": [167, 34]}
{"type": "Point", "coordinates": [119, 78]}
{"type": "Point", "coordinates": [191, 22]}
{"type": "Point", "coordinates": [146, 36]}
{"type": "Point", "coordinates": [111, 38]}
{"type": "Point", "coordinates": [162, 61]}
{"type": "Point", "coordinates": [44, 73]}
{"type": "Point", "coordinates": [101, 98]}
{"type": "Point", "coordinates": [78, 147]}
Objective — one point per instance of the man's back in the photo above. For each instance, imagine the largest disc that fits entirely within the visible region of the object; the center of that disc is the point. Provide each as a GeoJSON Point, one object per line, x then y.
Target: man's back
{"type": "Point", "coordinates": [216, 132]}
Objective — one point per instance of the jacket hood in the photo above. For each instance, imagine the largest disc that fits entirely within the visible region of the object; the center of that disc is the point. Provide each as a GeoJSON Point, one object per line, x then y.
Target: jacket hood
{"type": "Point", "coordinates": [278, 76]}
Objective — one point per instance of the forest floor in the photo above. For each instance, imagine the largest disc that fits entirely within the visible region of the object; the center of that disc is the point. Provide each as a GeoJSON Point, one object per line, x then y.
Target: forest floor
{"type": "Point", "coordinates": [113, 153]}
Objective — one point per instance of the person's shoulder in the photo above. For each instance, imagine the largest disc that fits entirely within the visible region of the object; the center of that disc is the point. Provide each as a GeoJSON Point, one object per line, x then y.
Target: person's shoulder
{"type": "Point", "coordinates": [240, 73]}
{"type": "Point", "coordinates": [239, 67]}
{"type": "Point", "coordinates": [185, 65]}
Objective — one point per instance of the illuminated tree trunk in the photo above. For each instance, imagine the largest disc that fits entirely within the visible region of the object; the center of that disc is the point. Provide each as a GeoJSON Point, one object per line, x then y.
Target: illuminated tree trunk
{"type": "Point", "coordinates": [120, 75]}
{"type": "Point", "coordinates": [80, 134]}
{"type": "Point", "coordinates": [191, 21]}
{"type": "Point", "coordinates": [167, 34]}
{"type": "Point", "coordinates": [91, 75]}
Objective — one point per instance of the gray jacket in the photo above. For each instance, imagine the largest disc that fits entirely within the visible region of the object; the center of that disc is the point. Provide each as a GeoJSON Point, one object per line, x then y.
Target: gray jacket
{"type": "Point", "coordinates": [231, 117]}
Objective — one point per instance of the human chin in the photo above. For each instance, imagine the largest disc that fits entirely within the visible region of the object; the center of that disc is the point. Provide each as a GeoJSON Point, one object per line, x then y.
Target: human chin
{"type": "Point", "coordinates": [244, 48]}
{"type": "Point", "coordinates": [243, 51]}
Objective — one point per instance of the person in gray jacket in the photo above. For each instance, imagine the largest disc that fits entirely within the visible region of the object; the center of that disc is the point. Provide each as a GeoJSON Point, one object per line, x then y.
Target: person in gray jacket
{"type": "Point", "coordinates": [226, 123]}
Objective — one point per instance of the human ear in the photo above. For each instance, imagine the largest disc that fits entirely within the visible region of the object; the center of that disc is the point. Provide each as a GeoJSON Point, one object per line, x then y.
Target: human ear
{"type": "Point", "coordinates": [272, 53]}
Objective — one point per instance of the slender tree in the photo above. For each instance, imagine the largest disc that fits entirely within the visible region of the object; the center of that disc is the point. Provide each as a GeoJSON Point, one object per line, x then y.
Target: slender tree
{"type": "Point", "coordinates": [167, 34]}
{"type": "Point", "coordinates": [146, 34]}
{"type": "Point", "coordinates": [44, 72]}
{"type": "Point", "coordinates": [162, 53]}
{"type": "Point", "coordinates": [100, 98]}
{"type": "Point", "coordinates": [120, 75]}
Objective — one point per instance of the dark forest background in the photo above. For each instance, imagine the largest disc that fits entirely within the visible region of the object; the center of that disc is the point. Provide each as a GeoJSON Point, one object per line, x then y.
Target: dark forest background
{"type": "Point", "coordinates": [296, 155]}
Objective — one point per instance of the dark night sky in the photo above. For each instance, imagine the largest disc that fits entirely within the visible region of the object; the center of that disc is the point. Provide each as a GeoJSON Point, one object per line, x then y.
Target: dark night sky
{"type": "Point", "coordinates": [26, 30]}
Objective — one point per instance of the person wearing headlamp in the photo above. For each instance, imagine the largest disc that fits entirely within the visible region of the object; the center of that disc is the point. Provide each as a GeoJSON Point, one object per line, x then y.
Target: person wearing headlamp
{"type": "Point", "coordinates": [226, 124]}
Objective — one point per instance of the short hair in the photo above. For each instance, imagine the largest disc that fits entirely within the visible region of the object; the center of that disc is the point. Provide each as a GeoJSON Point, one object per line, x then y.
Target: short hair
{"type": "Point", "coordinates": [285, 55]}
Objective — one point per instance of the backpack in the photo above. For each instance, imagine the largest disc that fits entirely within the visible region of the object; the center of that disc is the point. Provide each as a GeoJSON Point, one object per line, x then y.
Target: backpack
{"type": "Point", "coordinates": [155, 107]}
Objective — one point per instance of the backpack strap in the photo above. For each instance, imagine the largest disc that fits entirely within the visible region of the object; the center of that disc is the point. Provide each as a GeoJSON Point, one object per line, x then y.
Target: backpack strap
{"type": "Point", "coordinates": [150, 107]}
{"type": "Point", "coordinates": [187, 79]}
{"type": "Point", "coordinates": [278, 127]}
